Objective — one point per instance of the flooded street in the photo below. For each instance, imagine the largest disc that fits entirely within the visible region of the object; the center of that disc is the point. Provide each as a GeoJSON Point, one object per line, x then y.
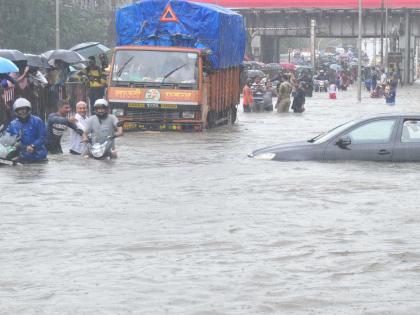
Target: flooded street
{"type": "Point", "coordinates": [188, 224]}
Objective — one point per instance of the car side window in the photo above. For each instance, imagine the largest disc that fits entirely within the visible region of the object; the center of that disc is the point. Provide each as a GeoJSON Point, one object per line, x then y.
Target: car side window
{"type": "Point", "coordinates": [411, 131]}
{"type": "Point", "coordinates": [379, 131]}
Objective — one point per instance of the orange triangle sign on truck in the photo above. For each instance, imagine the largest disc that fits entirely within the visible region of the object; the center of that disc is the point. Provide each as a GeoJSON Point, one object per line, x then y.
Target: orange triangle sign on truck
{"type": "Point", "coordinates": [169, 15]}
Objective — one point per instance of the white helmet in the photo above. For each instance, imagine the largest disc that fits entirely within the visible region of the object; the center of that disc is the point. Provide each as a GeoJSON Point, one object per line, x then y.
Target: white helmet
{"type": "Point", "coordinates": [101, 102]}
{"type": "Point", "coordinates": [21, 103]}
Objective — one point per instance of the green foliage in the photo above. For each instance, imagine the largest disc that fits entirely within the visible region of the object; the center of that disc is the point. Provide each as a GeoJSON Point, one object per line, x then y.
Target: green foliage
{"type": "Point", "coordinates": [29, 26]}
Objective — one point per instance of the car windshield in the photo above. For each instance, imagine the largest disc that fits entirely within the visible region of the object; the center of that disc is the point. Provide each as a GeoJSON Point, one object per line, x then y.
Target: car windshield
{"type": "Point", "coordinates": [333, 132]}
{"type": "Point", "coordinates": [150, 66]}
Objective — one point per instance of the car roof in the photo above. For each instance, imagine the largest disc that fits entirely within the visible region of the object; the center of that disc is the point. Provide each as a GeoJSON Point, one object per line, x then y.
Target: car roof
{"type": "Point", "coordinates": [390, 115]}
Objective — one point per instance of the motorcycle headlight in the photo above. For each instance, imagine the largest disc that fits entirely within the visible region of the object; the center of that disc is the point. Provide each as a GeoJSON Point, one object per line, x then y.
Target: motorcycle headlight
{"type": "Point", "coordinates": [118, 111]}
{"type": "Point", "coordinates": [265, 156]}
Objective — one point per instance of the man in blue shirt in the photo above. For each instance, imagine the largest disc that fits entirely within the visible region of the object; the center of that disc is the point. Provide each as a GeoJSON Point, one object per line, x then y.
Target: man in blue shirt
{"type": "Point", "coordinates": [31, 130]}
{"type": "Point", "coordinates": [390, 95]}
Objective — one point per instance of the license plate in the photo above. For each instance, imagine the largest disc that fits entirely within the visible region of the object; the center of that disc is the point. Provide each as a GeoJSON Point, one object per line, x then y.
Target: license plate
{"type": "Point", "coordinates": [168, 106]}
{"type": "Point", "coordinates": [136, 105]}
{"type": "Point", "coordinates": [7, 162]}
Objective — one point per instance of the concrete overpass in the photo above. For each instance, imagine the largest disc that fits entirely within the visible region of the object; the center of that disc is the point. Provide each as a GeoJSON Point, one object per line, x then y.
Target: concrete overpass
{"type": "Point", "coordinates": [268, 21]}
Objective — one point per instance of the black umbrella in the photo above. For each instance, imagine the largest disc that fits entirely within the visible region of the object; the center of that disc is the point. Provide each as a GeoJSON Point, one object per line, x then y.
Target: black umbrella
{"type": "Point", "coordinates": [12, 54]}
{"type": "Point", "coordinates": [37, 61]}
{"type": "Point", "coordinates": [90, 49]}
{"type": "Point", "coordinates": [67, 56]}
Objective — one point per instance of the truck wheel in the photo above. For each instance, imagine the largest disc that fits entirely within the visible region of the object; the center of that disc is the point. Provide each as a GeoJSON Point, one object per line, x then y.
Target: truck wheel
{"type": "Point", "coordinates": [211, 119]}
{"type": "Point", "coordinates": [234, 114]}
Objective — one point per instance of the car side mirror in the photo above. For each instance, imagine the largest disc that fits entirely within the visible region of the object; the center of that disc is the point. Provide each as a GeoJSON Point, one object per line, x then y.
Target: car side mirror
{"type": "Point", "coordinates": [344, 142]}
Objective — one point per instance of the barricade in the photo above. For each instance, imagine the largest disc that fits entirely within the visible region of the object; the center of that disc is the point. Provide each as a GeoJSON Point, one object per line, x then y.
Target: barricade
{"type": "Point", "coordinates": [6, 101]}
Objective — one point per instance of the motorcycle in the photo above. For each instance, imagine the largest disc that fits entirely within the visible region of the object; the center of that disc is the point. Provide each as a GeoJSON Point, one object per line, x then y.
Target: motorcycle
{"type": "Point", "coordinates": [9, 144]}
{"type": "Point", "coordinates": [321, 85]}
{"type": "Point", "coordinates": [258, 99]}
{"type": "Point", "coordinates": [101, 151]}
{"type": "Point", "coordinates": [378, 92]}
{"type": "Point", "coordinates": [262, 100]}
{"type": "Point", "coordinates": [268, 101]}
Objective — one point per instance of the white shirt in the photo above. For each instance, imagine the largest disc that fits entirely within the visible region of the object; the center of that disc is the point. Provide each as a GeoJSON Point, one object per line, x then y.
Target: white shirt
{"type": "Point", "coordinates": [76, 143]}
{"type": "Point", "coordinates": [383, 78]}
{"type": "Point", "coordinates": [332, 88]}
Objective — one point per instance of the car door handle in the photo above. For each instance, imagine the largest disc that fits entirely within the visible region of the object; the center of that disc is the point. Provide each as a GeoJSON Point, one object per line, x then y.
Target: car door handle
{"type": "Point", "coordinates": [384, 152]}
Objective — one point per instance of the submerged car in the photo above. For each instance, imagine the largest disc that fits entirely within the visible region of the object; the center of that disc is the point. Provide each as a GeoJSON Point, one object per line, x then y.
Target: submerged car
{"type": "Point", "coordinates": [390, 137]}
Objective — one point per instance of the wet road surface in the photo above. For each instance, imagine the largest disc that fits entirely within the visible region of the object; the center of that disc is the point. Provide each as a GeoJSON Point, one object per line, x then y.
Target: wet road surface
{"type": "Point", "coordinates": [187, 224]}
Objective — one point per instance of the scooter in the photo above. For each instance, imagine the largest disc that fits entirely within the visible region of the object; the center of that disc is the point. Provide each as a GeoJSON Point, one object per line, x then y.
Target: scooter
{"type": "Point", "coordinates": [101, 151]}
{"type": "Point", "coordinates": [9, 144]}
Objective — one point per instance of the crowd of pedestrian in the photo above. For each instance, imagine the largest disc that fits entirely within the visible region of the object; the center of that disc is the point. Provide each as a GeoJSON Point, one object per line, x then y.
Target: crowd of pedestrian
{"type": "Point", "coordinates": [293, 88]}
{"type": "Point", "coordinates": [380, 84]}
{"type": "Point", "coordinates": [45, 86]}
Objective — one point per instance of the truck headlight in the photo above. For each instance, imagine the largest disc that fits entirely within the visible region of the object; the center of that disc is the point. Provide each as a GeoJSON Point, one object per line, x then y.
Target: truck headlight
{"type": "Point", "coordinates": [118, 111]}
{"type": "Point", "coordinates": [188, 115]}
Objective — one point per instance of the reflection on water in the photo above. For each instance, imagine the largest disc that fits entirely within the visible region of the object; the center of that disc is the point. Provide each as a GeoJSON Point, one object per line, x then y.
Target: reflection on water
{"type": "Point", "coordinates": [187, 224]}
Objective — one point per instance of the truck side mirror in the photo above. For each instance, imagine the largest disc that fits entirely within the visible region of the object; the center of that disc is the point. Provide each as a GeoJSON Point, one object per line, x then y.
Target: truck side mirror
{"type": "Point", "coordinates": [207, 68]}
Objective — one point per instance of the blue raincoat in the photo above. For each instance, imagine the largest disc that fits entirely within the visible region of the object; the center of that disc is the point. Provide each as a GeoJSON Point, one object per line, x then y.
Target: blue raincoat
{"type": "Point", "coordinates": [32, 133]}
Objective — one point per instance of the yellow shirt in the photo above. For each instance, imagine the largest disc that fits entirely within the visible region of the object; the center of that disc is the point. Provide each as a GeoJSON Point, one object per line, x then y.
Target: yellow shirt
{"type": "Point", "coordinates": [95, 77]}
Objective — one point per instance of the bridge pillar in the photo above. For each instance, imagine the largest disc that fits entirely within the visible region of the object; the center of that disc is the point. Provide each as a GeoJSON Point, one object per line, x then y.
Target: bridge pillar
{"type": "Point", "coordinates": [406, 59]}
{"type": "Point", "coordinates": [256, 47]}
{"type": "Point", "coordinates": [407, 42]}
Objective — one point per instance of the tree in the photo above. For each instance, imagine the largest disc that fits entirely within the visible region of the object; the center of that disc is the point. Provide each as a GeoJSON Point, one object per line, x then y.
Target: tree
{"type": "Point", "coordinates": [29, 26]}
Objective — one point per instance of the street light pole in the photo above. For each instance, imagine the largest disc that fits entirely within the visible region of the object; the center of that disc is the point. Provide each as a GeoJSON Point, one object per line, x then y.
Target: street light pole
{"type": "Point", "coordinates": [386, 36]}
{"type": "Point", "coordinates": [313, 23]}
{"type": "Point", "coordinates": [57, 24]}
{"type": "Point", "coordinates": [382, 32]}
{"type": "Point", "coordinates": [359, 66]}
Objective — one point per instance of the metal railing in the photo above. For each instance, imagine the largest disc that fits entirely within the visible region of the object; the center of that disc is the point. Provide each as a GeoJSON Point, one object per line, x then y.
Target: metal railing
{"type": "Point", "coordinates": [43, 98]}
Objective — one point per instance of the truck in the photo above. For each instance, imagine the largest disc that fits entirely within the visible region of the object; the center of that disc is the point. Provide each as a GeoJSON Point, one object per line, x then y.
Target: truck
{"type": "Point", "coordinates": [177, 65]}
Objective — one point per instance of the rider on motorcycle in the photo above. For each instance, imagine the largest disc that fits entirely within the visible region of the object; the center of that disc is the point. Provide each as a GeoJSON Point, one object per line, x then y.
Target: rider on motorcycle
{"type": "Point", "coordinates": [102, 125]}
{"type": "Point", "coordinates": [321, 76]}
{"type": "Point", "coordinates": [31, 130]}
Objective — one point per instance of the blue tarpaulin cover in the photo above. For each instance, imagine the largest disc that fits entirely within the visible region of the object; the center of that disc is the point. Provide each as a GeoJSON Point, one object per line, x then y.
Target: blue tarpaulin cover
{"type": "Point", "coordinates": [188, 24]}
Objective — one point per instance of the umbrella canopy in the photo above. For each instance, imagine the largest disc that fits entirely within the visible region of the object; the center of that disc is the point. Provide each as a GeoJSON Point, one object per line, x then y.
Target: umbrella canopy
{"type": "Point", "coordinates": [12, 54]}
{"type": "Point", "coordinates": [68, 56]}
{"type": "Point", "coordinates": [254, 73]}
{"type": "Point", "coordinates": [77, 66]}
{"type": "Point", "coordinates": [288, 66]}
{"type": "Point", "coordinates": [6, 66]}
{"type": "Point", "coordinates": [37, 61]}
{"type": "Point", "coordinates": [90, 49]}
{"type": "Point", "coordinates": [335, 67]}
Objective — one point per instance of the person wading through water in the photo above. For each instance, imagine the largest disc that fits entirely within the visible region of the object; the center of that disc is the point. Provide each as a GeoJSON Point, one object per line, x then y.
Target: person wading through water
{"type": "Point", "coordinates": [283, 101]}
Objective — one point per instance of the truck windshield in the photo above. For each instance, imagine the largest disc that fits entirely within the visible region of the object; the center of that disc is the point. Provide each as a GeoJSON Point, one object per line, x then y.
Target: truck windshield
{"type": "Point", "coordinates": [156, 67]}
